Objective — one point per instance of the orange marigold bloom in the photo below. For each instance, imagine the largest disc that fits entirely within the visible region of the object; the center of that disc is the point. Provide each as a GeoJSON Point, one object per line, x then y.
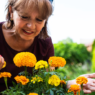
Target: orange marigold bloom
{"type": "Point", "coordinates": [21, 79]}
{"type": "Point", "coordinates": [25, 59]}
{"type": "Point", "coordinates": [74, 88]}
{"type": "Point", "coordinates": [32, 94]}
{"type": "Point", "coordinates": [62, 82]}
{"type": "Point", "coordinates": [56, 61]}
{"type": "Point", "coordinates": [81, 80]}
{"type": "Point", "coordinates": [5, 74]}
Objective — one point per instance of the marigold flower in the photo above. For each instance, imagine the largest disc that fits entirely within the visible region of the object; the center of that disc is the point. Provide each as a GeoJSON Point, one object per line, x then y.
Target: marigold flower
{"type": "Point", "coordinates": [21, 79]}
{"type": "Point", "coordinates": [74, 88]}
{"type": "Point", "coordinates": [25, 59]}
{"type": "Point", "coordinates": [81, 80]}
{"type": "Point", "coordinates": [41, 64]}
{"type": "Point", "coordinates": [5, 74]}
{"type": "Point", "coordinates": [62, 82]}
{"type": "Point", "coordinates": [32, 94]}
{"type": "Point", "coordinates": [56, 61]}
{"type": "Point", "coordinates": [4, 64]}
{"type": "Point", "coordinates": [36, 79]}
{"type": "Point", "coordinates": [54, 80]}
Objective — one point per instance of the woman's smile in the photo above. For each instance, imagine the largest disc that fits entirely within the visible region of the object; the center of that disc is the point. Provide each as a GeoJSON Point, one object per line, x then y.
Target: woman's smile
{"type": "Point", "coordinates": [28, 32]}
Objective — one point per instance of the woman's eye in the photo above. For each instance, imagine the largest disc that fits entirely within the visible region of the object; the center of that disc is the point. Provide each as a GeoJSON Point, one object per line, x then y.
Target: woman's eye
{"type": "Point", "coordinates": [39, 20]}
{"type": "Point", "coordinates": [24, 17]}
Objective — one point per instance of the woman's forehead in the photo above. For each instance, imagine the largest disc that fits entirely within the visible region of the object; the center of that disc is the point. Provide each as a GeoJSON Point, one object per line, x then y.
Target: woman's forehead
{"type": "Point", "coordinates": [43, 7]}
{"type": "Point", "coordinates": [27, 8]}
{"type": "Point", "coordinates": [27, 12]}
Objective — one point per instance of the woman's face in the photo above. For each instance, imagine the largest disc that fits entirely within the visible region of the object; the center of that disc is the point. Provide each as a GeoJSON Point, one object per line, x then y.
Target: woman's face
{"type": "Point", "coordinates": [27, 24]}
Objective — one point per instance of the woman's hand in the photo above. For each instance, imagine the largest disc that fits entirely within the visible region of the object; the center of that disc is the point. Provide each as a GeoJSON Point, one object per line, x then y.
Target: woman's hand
{"type": "Point", "coordinates": [87, 88]}
{"type": "Point", "coordinates": [1, 62]}
{"type": "Point", "coordinates": [71, 82]}
{"type": "Point", "coordinates": [90, 86]}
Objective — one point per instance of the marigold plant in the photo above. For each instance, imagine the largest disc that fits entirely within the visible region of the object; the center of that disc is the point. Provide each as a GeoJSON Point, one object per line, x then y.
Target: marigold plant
{"type": "Point", "coordinates": [21, 79]}
{"type": "Point", "coordinates": [5, 74]}
{"type": "Point", "coordinates": [74, 88]}
{"type": "Point", "coordinates": [40, 80]}
{"type": "Point", "coordinates": [41, 64]}
{"type": "Point", "coordinates": [54, 80]}
{"type": "Point", "coordinates": [56, 61]}
{"type": "Point", "coordinates": [25, 59]}
{"type": "Point", "coordinates": [81, 80]}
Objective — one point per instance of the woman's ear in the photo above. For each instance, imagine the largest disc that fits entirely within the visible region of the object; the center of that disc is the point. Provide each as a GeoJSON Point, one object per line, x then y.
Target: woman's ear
{"type": "Point", "coordinates": [11, 12]}
{"type": "Point", "coordinates": [10, 9]}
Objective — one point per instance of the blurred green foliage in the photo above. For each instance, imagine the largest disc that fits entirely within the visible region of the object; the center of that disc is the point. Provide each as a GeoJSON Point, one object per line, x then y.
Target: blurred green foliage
{"type": "Point", "coordinates": [72, 71]}
{"type": "Point", "coordinates": [72, 52]}
{"type": "Point", "coordinates": [93, 57]}
{"type": "Point", "coordinates": [78, 59]}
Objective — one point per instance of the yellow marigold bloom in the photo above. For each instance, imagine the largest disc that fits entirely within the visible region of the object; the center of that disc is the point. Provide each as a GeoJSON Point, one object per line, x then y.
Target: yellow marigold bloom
{"type": "Point", "coordinates": [25, 59]}
{"type": "Point", "coordinates": [74, 88]}
{"type": "Point", "coordinates": [36, 79]}
{"type": "Point", "coordinates": [81, 80]}
{"type": "Point", "coordinates": [4, 64]}
{"type": "Point", "coordinates": [62, 82]}
{"type": "Point", "coordinates": [32, 94]}
{"type": "Point", "coordinates": [41, 64]}
{"type": "Point", "coordinates": [5, 74]}
{"type": "Point", "coordinates": [21, 79]}
{"type": "Point", "coordinates": [56, 61]}
{"type": "Point", "coordinates": [54, 80]}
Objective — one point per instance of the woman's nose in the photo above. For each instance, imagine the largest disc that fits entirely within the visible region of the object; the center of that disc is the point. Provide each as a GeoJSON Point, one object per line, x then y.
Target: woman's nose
{"type": "Point", "coordinates": [31, 25]}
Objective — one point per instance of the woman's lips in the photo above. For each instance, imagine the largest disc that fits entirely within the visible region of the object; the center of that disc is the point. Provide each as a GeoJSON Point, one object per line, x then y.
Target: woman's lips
{"type": "Point", "coordinates": [28, 32]}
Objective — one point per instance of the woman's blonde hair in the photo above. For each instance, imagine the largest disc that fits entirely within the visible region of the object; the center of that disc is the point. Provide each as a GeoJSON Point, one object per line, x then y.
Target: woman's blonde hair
{"type": "Point", "coordinates": [44, 8]}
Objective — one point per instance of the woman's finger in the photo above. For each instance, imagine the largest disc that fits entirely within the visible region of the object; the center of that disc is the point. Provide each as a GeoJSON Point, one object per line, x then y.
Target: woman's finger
{"type": "Point", "coordinates": [1, 62]}
{"type": "Point", "coordinates": [92, 75]}
{"type": "Point", "coordinates": [86, 91]}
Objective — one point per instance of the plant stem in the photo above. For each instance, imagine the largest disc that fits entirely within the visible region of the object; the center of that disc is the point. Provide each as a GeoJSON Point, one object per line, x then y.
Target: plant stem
{"type": "Point", "coordinates": [25, 71]}
{"type": "Point", "coordinates": [82, 89]}
{"type": "Point", "coordinates": [5, 79]}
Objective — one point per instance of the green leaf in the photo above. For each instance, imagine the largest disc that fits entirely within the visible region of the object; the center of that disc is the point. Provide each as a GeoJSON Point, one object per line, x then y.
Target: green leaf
{"type": "Point", "coordinates": [51, 92]}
